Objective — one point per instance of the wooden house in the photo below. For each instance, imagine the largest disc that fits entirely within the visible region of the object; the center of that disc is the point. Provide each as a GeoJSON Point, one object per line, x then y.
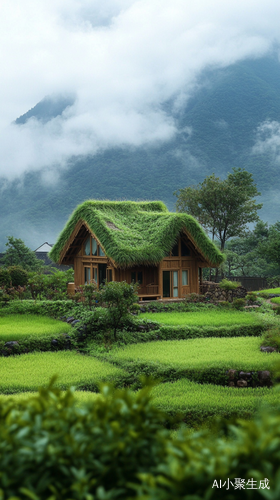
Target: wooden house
{"type": "Point", "coordinates": [136, 242]}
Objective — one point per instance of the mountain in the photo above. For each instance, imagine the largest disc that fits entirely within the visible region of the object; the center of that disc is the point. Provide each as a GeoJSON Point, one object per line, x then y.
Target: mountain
{"type": "Point", "coordinates": [217, 130]}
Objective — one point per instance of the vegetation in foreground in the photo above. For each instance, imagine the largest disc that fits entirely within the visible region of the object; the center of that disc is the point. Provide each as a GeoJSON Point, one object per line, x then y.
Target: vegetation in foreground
{"type": "Point", "coordinates": [115, 448]}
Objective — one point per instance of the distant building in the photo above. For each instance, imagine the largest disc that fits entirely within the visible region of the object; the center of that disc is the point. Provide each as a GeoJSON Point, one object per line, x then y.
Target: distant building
{"type": "Point", "coordinates": [42, 253]}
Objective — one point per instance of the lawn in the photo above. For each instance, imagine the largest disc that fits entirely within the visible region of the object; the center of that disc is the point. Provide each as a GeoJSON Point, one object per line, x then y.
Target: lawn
{"type": "Point", "coordinates": [199, 401]}
{"type": "Point", "coordinates": [18, 326]}
{"type": "Point", "coordinates": [240, 353]}
{"type": "Point", "coordinates": [27, 372]}
{"type": "Point", "coordinates": [209, 317]}
{"type": "Point", "coordinates": [271, 290]}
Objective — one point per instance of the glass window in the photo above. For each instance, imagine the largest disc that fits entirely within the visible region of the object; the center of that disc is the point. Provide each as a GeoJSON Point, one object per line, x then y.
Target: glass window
{"type": "Point", "coordinates": [87, 275]}
{"type": "Point", "coordinates": [133, 277]}
{"type": "Point", "coordinates": [175, 250]}
{"type": "Point", "coordinates": [175, 283]}
{"type": "Point", "coordinates": [101, 253]}
{"type": "Point", "coordinates": [185, 251]}
{"type": "Point", "coordinates": [185, 278]}
{"type": "Point", "coordinates": [140, 278]}
{"type": "Point", "coordinates": [87, 247]}
{"type": "Point", "coordinates": [95, 274]}
{"type": "Point", "coordinates": [109, 275]}
{"type": "Point", "coordinates": [94, 247]}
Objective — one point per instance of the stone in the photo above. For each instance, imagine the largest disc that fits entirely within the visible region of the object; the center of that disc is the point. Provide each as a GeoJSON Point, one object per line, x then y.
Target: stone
{"type": "Point", "coordinates": [11, 344]}
{"type": "Point", "coordinates": [231, 384]}
{"type": "Point", "coordinates": [73, 323]}
{"type": "Point", "coordinates": [241, 383]}
{"type": "Point", "coordinates": [54, 342]}
{"type": "Point", "coordinates": [264, 378]}
{"type": "Point", "coordinates": [70, 319]}
{"type": "Point", "coordinates": [245, 375]}
{"type": "Point", "coordinates": [231, 374]}
{"type": "Point", "coordinates": [142, 309]}
{"type": "Point", "coordinates": [141, 328]}
{"type": "Point", "coordinates": [268, 349]}
{"type": "Point", "coordinates": [63, 318]}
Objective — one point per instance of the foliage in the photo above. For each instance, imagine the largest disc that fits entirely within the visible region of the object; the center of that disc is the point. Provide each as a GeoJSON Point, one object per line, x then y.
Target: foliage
{"type": "Point", "coordinates": [229, 285]}
{"type": "Point", "coordinates": [238, 303]}
{"type": "Point", "coordinates": [5, 278]}
{"type": "Point", "coordinates": [118, 297]}
{"type": "Point", "coordinates": [223, 207]}
{"type": "Point", "coordinates": [19, 276]}
{"type": "Point", "coordinates": [145, 232]}
{"type": "Point", "coordinates": [18, 254]}
{"type": "Point", "coordinates": [114, 447]}
{"type": "Point", "coordinates": [52, 286]}
{"type": "Point", "coordinates": [72, 368]}
{"type": "Point", "coordinates": [272, 337]}
{"type": "Point", "coordinates": [45, 308]}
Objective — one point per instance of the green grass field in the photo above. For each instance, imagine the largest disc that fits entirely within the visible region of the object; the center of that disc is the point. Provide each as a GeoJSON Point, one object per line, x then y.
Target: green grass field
{"type": "Point", "coordinates": [275, 300]}
{"type": "Point", "coordinates": [201, 400]}
{"type": "Point", "coordinates": [29, 371]}
{"type": "Point", "coordinates": [212, 317]}
{"type": "Point", "coordinates": [240, 353]}
{"type": "Point", "coordinates": [271, 290]}
{"type": "Point", "coordinates": [19, 326]}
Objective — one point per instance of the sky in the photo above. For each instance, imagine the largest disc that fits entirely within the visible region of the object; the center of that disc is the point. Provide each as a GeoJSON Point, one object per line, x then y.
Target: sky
{"type": "Point", "coordinates": [121, 61]}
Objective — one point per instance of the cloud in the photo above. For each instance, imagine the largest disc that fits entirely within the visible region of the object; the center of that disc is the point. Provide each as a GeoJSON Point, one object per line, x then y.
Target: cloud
{"type": "Point", "coordinates": [268, 140]}
{"type": "Point", "coordinates": [122, 59]}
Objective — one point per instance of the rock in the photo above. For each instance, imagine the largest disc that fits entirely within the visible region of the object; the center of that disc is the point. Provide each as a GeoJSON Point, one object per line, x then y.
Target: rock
{"type": "Point", "coordinates": [251, 307]}
{"type": "Point", "coordinates": [141, 328]}
{"type": "Point", "coordinates": [231, 384]}
{"type": "Point", "coordinates": [241, 383]}
{"type": "Point", "coordinates": [245, 375]}
{"type": "Point", "coordinates": [63, 318]}
{"type": "Point", "coordinates": [70, 319]}
{"type": "Point", "coordinates": [54, 343]}
{"type": "Point", "coordinates": [231, 374]}
{"type": "Point", "coordinates": [268, 349]}
{"type": "Point", "coordinates": [11, 344]}
{"type": "Point", "coordinates": [272, 295]}
{"type": "Point", "coordinates": [142, 309]}
{"type": "Point", "coordinates": [264, 378]}
{"type": "Point", "coordinates": [73, 323]}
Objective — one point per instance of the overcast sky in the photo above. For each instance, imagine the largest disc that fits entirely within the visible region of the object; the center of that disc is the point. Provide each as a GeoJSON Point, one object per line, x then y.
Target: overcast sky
{"type": "Point", "coordinates": [121, 59]}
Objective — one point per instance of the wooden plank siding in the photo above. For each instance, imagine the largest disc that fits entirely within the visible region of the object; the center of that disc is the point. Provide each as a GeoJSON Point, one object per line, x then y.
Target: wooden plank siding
{"type": "Point", "coordinates": [151, 276]}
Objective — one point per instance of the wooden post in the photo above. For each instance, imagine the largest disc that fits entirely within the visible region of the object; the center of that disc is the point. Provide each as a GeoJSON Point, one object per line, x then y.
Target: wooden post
{"type": "Point", "coordinates": [160, 291]}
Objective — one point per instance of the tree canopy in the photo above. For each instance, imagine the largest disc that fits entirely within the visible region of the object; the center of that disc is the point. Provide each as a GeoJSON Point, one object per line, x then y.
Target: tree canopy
{"type": "Point", "coordinates": [18, 254]}
{"type": "Point", "coordinates": [223, 207]}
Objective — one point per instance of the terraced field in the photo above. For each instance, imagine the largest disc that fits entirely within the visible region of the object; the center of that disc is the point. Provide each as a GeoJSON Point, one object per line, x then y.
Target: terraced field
{"type": "Point", "coordinates": [212, 317]}
{"type": "Point", "coordinates": [18, 326]}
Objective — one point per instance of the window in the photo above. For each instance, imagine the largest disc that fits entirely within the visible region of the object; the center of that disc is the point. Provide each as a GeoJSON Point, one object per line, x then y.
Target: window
{"type": "Point", "coordinates": [140, 278]}
{"type": "Point", "coordinates": [94, 246]}
{"type": "Point", "coordinates": [87, 275]}
{"type": "Point", "coordinates": [185, 251]}
{"type": "Point", "coordinates": [109, 275]}
{"type": "Point", "coordinates": [101, 253]}
{"type": "Point", "coordinates": [87, 246]}
{"type": "Point", "coordinates": [185, 277]}
{"type": "Point", "coordinates": [175, 283]}
{"type": "Point", "coordinates": [133, 277]}
{"type": "Point", "coordinates": [175, 251]}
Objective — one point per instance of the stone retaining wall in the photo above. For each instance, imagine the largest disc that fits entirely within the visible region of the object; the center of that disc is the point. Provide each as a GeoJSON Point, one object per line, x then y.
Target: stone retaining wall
{"type": "Point", "coordinates": [249, 379]}
{"type": "Point", "coordinates": [213, 291]}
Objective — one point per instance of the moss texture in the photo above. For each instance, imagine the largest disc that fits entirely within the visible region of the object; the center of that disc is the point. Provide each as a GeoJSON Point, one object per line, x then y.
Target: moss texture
{"type": "Point", "coordinates": [146, 231]}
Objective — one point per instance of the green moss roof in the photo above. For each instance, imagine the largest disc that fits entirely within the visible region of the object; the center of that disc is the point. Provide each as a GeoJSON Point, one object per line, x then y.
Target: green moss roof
{"type": "Point", "coordinates": [146, 231]}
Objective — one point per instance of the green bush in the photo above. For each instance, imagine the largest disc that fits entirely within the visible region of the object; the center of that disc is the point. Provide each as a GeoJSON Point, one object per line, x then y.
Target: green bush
{"type": "Point", "coordinates": [19, 276]}
{"type": "Point", "coordinates": [238, 303]}
{"type": "Point", "coordinates": [115, 448]}
{"type": "Point", "coordinates": [228, 285]}
{"type": "Point", "coordinates": [5, 278]}
{"type": "Point", "coordinates": [272, 337]}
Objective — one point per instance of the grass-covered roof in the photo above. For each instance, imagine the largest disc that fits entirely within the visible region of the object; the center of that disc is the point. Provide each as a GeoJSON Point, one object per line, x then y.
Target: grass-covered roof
{"type": "Point", "coordinates": [133, 233]}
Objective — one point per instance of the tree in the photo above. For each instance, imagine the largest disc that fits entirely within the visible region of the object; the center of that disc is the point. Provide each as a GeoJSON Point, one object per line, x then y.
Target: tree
{"type": "Point", "coordinates": [223, 207]}
{"type": "Point", "coordinates": [18, 254]}
{"type": "Point", "coordinates": [119, 298]}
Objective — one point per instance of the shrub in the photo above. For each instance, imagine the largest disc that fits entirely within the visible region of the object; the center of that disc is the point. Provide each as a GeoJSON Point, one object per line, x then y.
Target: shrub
{"type": "Point", "coordinates": [114, 448]}
{"type": "Point", "coordinates": [238, 303]}
{"type": "Point", "coordinates": [272, 337]}
{"type": "Point", "coordinates": [228, 285]}
{"type": "Point", "coordinates": [5, 278]}
{"type": "Point", "coordinates": [19, 276]}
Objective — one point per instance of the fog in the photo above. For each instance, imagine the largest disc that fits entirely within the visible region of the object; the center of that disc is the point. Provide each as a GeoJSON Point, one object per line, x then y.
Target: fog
{"type": "Point", "coordinates": [122, 60]}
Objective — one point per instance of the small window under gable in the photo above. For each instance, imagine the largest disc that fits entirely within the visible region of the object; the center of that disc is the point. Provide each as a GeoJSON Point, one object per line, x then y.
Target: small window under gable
{"type": "Point", "coordinates": [185, 251]}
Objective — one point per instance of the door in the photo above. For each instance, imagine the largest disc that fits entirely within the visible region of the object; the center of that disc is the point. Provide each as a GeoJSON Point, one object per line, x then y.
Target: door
{"type": "Point", "coordinates": [102, 273]}
{"type": "Point", "coordinates": [170, 284]}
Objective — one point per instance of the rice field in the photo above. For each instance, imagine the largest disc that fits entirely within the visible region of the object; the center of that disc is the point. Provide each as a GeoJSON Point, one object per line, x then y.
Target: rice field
{"type": "Point", "coordinates": [189, 397]}
{"type": "Point", "coordinates": [19, 326]}
{"type": "Point", "coordinates": [240, 353]}
{"type": "Point", "coordinates": [275, 300]}
{"type": "Point", "coordinates": [209, 317]}
{"type": "Point", "coordinates": [27, 372]}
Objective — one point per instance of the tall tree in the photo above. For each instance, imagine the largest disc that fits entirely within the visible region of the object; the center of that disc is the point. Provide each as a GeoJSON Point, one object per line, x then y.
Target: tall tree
{"type": "Point", "coordinates": [223, 207]}
{"type": "Point", "coordinates": [18, 254]}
